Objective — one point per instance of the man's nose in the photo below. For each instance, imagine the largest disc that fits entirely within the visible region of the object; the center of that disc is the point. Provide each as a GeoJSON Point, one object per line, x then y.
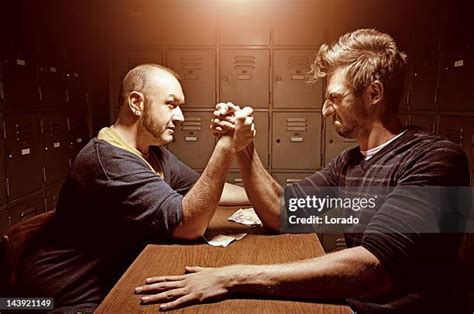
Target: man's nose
{"type": "Point", "coordinates": [328, 109]}
{"type": "Point", "coordinates": [178, 114]}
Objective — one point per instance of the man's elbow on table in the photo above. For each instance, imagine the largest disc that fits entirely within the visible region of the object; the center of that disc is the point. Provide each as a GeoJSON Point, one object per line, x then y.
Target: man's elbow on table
{"type": "Point", "coordinates": [188, 232]}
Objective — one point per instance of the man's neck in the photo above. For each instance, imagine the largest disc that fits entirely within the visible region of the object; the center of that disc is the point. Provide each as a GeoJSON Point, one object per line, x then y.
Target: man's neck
{"type": "Point", "coordinates": [130, 134]}
{"type": "Point", "coordinates": [378, 134]}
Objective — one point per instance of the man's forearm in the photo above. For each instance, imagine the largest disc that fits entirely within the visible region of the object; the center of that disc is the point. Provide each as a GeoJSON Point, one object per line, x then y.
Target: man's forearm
{"type": "Point", "coordinates": [201, 201]}
{"type": "Point", "coordinates": [263, 191]}
{"type": "Point", "coordinates": [349, 273]}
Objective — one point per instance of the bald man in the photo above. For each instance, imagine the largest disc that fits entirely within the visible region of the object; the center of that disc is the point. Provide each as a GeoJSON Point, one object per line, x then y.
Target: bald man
{"type": "Point", "coordinates": [125, 190]}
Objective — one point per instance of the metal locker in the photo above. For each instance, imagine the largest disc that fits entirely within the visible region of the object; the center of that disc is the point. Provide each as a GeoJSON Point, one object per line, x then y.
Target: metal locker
{"type": "Point", "coordinates": [335, 144]}
{"type": "Point", "coordinates": [403, 118]}
{"type": "Point", "coordinates": [290, 80]}
{"type": "Point", "coordinates": [197, 22]}
{"type": "Point", "coordinates": [426, 121]}
{"type": "Point", "coordinates": [141, 24]}
{"type": "Point", "coordinates": [4, 218]}
{"type": "Point", "coordinates": [235, 178]}
{"type": "Point", "coordinates": [425, 72]}
{"type": "Point", "coordinates": [18, 87]}
{"type": "Point", "coordinates": [193, 140]}
{"type": "Point", "coordinates": [296, 140]}
{"type": "Point", "coordinates": [139, 56]}
{"type": "Point", "coordinates": [244, 23]}
{"type": "Point", "coordinates": [55, 146]}
{"type": "Point", "coordinates": [52, 89]}
{"type": "Point", "coordinates": [24, 159]}
{"type": "Point", "coordinates": [51, 195]}
{"type": "Point", "coordinates": [25, 208]}
{"type": "Point", "coordinates": [299, 23]}
{"type": "Point", "coordinates": [3, 197]}
{"type": "Point", "coordinates": [261, 140]}
{"type": "Point", "coordinates": [456, 84]}
{"type": "Point", "coordinates": [288, 178]}
{"type": "Point", "coordinates": [197, 71]}
{"type": "Point", "coordinates": [244, 77]}
{"type": "Point", "coordinates": [78, 134]}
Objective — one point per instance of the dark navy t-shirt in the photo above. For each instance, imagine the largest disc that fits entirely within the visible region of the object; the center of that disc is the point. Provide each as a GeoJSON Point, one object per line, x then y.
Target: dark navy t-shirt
{"type": "Point", "coordinates": [110, 206]}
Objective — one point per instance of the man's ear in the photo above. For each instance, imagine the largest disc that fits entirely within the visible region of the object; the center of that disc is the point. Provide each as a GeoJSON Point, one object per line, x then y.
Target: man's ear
{"type": "Point", "coordinates": [375, 92]}
{"type": "Point", "coordinates": [136, 102]}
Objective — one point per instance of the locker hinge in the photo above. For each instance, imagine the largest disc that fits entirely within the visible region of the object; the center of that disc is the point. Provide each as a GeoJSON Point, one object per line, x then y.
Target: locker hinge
{"type": "Point", "coordinates": [67, 95]}
{"type": "Point", "coordinates": [4, 127]}
{"type": "Point", "coordinates": [70, 163]}
{"type": "Point", "coordinates": [1, 90]}
{"type": "Point", "coordinates": [87, 98]}
{"type": "Point", "coordinates": [44, 174]}
{"type": "Point", "coordinates": [408, 97]}
{"type": "Point", "coordinates": [68, 124]}
{"type": "Point", "coordinates": [40, 93]}
{"type": "Point", "coordinates": [41, 126]}
{"type": "Point", "coordinates": [7, 186]}
{"type": "Point", "coordinates": [436, 95]}
{"type": "Point", "coordinates": [45, 204]}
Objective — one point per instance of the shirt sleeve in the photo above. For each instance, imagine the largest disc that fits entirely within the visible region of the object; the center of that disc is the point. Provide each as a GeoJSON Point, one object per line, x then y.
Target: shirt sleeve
{"type": "Point", "coordinates": [182, 177]}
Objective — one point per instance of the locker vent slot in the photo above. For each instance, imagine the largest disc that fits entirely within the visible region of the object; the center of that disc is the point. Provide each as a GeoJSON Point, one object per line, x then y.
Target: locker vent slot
{"type": "Point", "coordinates": [299, 66]}
{"type": "Point", "coordinates": [24, 132]}
{"type": "Point", "coordinates": [192, 124]}
{"type": "Point", "coordinates": [191, 65]}
{"type": "Point", "coordinates": [296, 125]}
{"type": "Point", "coordinates": [243, 63]}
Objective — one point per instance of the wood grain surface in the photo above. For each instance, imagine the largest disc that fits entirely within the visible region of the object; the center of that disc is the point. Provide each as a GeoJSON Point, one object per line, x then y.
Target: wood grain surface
{"type": "Point", "coordinates": [255, 248]}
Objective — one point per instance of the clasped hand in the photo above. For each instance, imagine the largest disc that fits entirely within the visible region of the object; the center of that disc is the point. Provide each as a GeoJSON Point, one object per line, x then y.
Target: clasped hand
{"type": "Point", "coordinates": [234, 125]}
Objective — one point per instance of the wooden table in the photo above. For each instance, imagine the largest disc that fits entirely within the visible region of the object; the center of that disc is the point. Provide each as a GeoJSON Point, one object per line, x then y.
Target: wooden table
{"type": "Point", "coordinates": [255, 248]}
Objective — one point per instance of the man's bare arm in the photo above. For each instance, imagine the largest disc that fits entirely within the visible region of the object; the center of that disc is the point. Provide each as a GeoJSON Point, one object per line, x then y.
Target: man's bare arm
{"type": "Point", "coordinates": [352, 272]}
{"type": "Point", "coordinates": [262, 190]}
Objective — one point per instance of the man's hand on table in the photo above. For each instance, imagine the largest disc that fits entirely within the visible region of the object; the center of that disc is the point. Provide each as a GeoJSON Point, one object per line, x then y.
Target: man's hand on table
{"type": "Point", "coordinates": [199, 284]}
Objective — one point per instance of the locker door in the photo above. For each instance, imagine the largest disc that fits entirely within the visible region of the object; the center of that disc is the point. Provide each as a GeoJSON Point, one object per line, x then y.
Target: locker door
{"type": "Point", "coordinates": [51, 195]}
{"type": "Point", "coordinates": [335, 144]}
{"type": "Point", "coordinates": [75, 92]}
{"type": "Point", "coordinates": [296, 140]}
{"type": "Point", "coordinates": [261, 140]}
{"type": "Point", "coordinates": [4, 218]}
{"type": "Point", "coordinates": [26, 208]}
{"type": "Point", "coordinates": [460, 131]}
{"type": "Point", "coordinates": [288, 178]}
{"type": "Point", "coordinates": [197, 22]}
{"type": "Point", "coordinates": [426, 121]}
{"type": "Point", "coordinates": [78, 134]}
{"type": "Point", "coordinates": [193, 141]}
{"type": "Point", "coordinates": [55, 146]}
{"type": "Point", "coordinates": [52, 87]}
{"type": "Point", "coordinates": [403, 119]}
{"type": "Point", "coordinates": [244, 23]}
{"type": "Point", "coordinates": [425, 72]}
{"type": "Point", "coordinates": [23, 154]}
{"type": "Point", "coordinates": [456, 86]}
{"type": "Point", "coordinates": [235, 178]}
{"type": "Point", "coordinates": [244, 77]}
{"type": "Point", "coordinates": [290, 81]}
{"type": "Point", "coordinates": [196, 69]}
{"type": "Point", "coordinates": [3, 197]}
{"type": "Point", "coordinates": [140, 23]}
{"type": "Point", "coordinates": [299, 23]}
{"type": "Point", "coordinates": [18, 87]}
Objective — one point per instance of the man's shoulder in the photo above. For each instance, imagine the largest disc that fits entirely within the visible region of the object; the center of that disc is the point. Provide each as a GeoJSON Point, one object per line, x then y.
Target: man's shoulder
{"type": "Point", "coordinates": [423, 143]}
{"type": "Point", "coordinates": [101, 155]}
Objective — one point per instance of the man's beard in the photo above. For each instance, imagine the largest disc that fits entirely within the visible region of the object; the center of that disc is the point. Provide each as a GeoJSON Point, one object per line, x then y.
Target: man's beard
{"type": "Point", "coordinates": [148, 123]}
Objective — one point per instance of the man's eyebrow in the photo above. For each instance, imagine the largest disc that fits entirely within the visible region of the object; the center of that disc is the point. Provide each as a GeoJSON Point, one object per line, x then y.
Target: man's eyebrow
{"type": "Point", "coordinates": [176, 99]}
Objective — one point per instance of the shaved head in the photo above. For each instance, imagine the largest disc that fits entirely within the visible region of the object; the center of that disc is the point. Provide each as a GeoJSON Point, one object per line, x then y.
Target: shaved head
{"type": "Point", "coordinates": [138, 79]}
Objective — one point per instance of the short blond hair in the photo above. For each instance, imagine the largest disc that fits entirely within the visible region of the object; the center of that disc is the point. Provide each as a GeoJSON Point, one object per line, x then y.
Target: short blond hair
{"type": "Point", "coordinates": [366, 55]}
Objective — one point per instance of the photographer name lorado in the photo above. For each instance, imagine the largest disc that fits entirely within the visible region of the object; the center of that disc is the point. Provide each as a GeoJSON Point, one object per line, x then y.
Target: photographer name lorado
{"type": "Point", "coordinates": [311, 220]}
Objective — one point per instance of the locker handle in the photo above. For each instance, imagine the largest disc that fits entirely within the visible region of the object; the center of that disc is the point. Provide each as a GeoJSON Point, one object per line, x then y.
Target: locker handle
{"type": "Point", "coordinates": [297, 139]}
{"type": "Point", "coordinates": [292, 180]}
{"type": "Point", "coordinates": [190, 138]}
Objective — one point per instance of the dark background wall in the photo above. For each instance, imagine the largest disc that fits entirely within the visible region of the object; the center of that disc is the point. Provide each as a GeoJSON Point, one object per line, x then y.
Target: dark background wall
{"type": "Point", "coordinates": [62, 62]}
